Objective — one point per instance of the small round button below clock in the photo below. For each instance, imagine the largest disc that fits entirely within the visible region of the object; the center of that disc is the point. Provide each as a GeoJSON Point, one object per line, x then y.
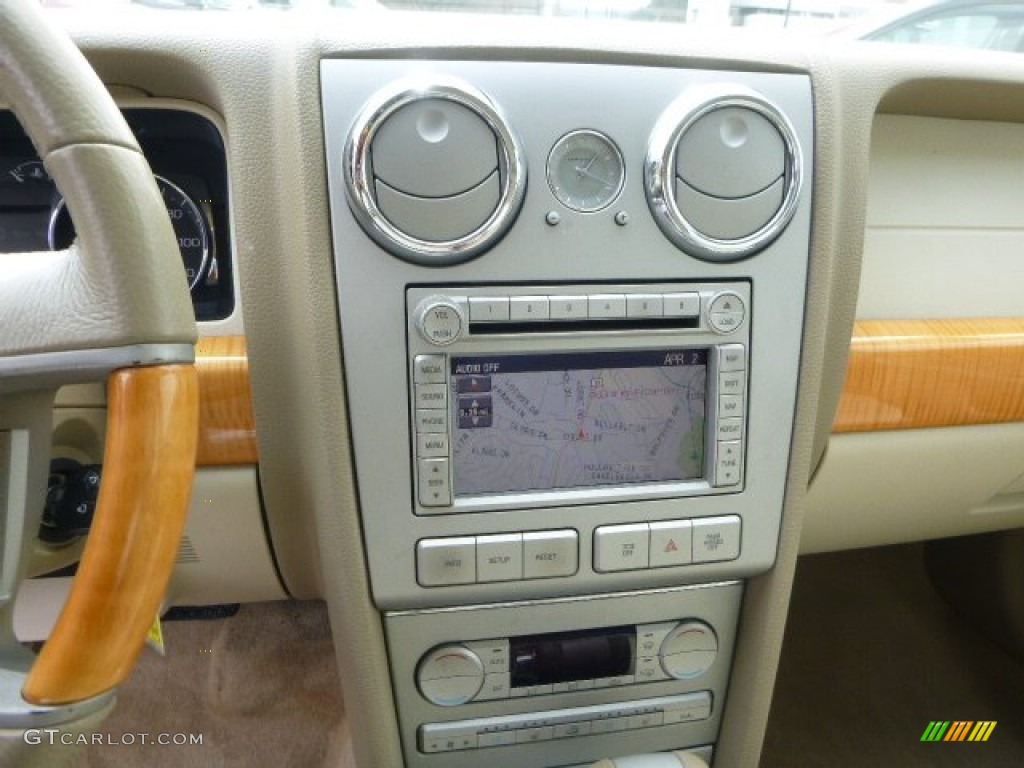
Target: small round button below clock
{"type": "Point", "coordinates": [450, 675]}
{"type": "Point", "coordinates": [439, 320]}
{"type": "Point", "coordinates": [689, 650]}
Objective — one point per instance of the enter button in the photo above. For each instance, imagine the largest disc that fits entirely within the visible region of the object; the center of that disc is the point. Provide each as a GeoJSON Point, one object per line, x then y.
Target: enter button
{"type": "Point", "coordinates": [550, 553]}
{"type": "Point", "coordinates": [716, 539]}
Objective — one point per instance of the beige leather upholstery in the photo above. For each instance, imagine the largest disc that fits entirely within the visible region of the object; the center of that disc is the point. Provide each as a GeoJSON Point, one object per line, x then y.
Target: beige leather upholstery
{"type": "Point", "coordinates": [115, 287]}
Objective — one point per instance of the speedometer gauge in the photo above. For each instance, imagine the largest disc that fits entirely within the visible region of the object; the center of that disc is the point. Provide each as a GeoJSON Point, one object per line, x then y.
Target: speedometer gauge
{"type": "Point", "coordinates": [189, 224]}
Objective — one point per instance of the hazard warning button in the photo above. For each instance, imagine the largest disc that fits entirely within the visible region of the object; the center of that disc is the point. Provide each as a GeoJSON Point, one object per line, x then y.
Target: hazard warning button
{"type": "Point", "coordinates": [671, 543]}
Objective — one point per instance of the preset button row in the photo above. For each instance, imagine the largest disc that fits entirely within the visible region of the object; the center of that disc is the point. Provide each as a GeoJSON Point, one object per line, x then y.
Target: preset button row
{"type": "Point", "coordinates": [603, 306]}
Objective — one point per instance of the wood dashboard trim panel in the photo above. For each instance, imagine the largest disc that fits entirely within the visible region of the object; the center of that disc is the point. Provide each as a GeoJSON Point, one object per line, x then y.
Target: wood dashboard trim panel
{"type": "Point", "coordinates": [910, 374]}
{"type": "Point", "coordinates": [227, 426]}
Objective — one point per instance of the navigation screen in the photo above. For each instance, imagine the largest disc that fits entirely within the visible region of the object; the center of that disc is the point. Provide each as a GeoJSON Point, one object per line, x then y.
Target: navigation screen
{"type": "Point", "coordinates": [541, 422]}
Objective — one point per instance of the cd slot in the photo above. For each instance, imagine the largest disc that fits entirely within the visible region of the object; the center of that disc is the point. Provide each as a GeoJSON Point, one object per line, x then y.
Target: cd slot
{"type": "Point", "coordinates": [505, 328]}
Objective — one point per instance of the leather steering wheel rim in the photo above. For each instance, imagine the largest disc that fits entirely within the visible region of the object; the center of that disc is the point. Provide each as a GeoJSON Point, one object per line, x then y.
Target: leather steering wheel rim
{"type": "Point", "coordinates": [115, 302]}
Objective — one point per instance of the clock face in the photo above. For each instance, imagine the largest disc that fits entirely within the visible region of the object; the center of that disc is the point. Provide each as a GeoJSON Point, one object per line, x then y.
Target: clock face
{"type": "Point", "coordinates": [586, 171]}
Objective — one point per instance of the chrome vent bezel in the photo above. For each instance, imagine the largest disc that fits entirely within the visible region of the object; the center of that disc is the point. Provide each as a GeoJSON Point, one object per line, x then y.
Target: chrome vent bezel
{"type": "Point", "coordinates": [659, 172]}
{"type": "Point", "coordinates": [359, 179]}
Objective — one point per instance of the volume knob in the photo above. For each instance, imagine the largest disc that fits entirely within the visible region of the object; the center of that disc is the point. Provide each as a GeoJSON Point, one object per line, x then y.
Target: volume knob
{"type": "Point", "coordinates": [439, 320]}
{"type": "Point", "coordinates": [450, 675]}
{"type": "Point", "coordinates": [689, 650]}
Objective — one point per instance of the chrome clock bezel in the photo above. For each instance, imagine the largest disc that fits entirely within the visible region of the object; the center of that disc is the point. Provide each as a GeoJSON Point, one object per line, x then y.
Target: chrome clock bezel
{"type": "Point", "coordinates": [558, 188]}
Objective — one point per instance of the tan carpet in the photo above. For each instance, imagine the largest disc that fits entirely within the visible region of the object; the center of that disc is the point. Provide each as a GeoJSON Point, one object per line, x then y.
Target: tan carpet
{"type": "Point", "coordinates": [261, 688]}
{"type": "Point", "coordinates": [872, 654]}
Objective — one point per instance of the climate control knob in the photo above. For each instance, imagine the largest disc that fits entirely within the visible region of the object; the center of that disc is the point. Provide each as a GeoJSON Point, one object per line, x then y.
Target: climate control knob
{"type": "Point", "coordinates": [450, 675]}
{"type": "Point", "coordinates": [689, 650]}
{"type": "Point", "coordinates": [439, 320]}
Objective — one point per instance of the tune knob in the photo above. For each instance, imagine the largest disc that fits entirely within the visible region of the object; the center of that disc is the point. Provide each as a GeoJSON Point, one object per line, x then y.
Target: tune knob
{"type": "Point", "coordinates": [689, 650]}
{"type": "Point", "coordinates": [439, 320]}
{"type": "Point", "coordinates": [450, 675]}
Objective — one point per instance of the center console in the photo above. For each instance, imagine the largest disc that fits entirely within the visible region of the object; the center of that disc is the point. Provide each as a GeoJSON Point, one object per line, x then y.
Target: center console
{"type": "Point", "coordinates": [576, 368]}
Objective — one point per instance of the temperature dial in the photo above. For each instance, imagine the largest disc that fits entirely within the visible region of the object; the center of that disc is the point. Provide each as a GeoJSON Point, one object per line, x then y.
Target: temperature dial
{"type": "Point", "coordinates": [450, 675]}
{"type": "Point", "coordinates": [439, 320]}
{"type": "Point", "coordinates": [689, 650]}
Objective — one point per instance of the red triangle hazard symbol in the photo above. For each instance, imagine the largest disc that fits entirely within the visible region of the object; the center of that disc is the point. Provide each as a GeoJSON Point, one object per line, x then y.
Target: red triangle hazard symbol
{"type": "Point", "coordinates": [671, 546]}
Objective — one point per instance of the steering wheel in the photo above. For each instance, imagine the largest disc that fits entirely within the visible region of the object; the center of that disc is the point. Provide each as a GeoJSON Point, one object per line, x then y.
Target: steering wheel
{"type": "Point", "coordinates": [114, 306]}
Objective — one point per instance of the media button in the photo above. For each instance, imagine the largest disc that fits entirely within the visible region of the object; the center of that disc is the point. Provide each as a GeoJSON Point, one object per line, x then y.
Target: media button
{"type": "Point", "coordinates": [429, 369]}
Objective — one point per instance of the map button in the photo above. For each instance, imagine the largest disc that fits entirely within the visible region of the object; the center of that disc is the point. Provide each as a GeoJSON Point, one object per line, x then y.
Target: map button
{"type": "Point", "coordinates": [716, 539]}
{"type": "Point", "coordinates": [732, 357]}
{"type": "Point", "coordinates": [621, 547]}
{"type": "Point", "coordinates": [550, 553]}
{"type": "Point", "coordinates": [435, 486]}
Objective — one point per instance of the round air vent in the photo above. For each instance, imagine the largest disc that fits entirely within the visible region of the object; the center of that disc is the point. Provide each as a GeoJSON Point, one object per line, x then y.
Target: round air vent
{"type": "Point", "coordinates": [434, 174]}
{"type": "Point", "coordinates": [723, 173]}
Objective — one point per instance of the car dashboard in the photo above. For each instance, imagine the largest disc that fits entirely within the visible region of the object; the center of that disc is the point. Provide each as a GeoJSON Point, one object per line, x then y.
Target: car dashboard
{"type": "Point", "coordinates": [540, 335]}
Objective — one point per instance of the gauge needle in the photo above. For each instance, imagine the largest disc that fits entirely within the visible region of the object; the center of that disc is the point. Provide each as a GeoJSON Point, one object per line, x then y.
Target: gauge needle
{"type": "Point", "coordinates": [581, 172]}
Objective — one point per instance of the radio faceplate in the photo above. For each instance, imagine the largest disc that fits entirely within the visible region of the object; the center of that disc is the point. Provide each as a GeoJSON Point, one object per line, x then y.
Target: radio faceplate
{"type": "Point", "coordinates": [552, 395]}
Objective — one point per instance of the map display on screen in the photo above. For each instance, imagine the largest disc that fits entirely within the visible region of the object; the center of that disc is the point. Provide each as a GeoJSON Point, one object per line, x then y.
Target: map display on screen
{"type": "Point", "coordinates": [577, 420]}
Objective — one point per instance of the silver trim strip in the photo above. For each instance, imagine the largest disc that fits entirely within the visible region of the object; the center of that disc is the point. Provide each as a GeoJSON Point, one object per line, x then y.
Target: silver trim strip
{"type": "Point", "coordinates": [16, 714]}
{"type": "Point", "coordinates": [359, 180]}
{"type": "Point", "coordinates": [52, 369]}
{"type": "Point", "coordinates": [677, 118]}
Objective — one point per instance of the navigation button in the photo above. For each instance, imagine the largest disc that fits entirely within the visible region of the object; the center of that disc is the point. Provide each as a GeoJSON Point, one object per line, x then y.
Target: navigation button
{"type": "Point", "coordinates": [670, 543]}
{"type": "Point", "coordinates": [716, 539]}
{"type": "Point", "coordinates": [730, 405]}
{"type": "Point", "coordinates": [431, 395]}
{"type": "Point", "coordinates": [441, 562]}
{"type": "Point", "coordinates": [607, 306]}
{"type": "Point", "coordinates": [499, 558]}
{"type": "Point", "coordinates": [529, 308]}
{"type": "Point", "coordinates": [429, 369]}
{"type": "Point", "coordinates": [550, 553]}
{"type": "Point", "coordinates": [434, 483]}
{"type": "Point", "coordinates": [682, 305]}
{"type": "Point", "coordinates": [732, 357]}
{"type": "Point", "coordinates": [644, 305]}
{"type": "Point", "coordinates": [488, 310]}
{"type": "Point", "coordinates": [431, 445]}
{"type": "Point", "coordinates": [621, 547]}
{"type": "Point", "coordinates": [568, 307]}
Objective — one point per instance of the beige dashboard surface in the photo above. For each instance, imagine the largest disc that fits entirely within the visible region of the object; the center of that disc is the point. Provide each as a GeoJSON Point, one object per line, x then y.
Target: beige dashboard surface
{"type": "Point", "coordinates": [262, 78]}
